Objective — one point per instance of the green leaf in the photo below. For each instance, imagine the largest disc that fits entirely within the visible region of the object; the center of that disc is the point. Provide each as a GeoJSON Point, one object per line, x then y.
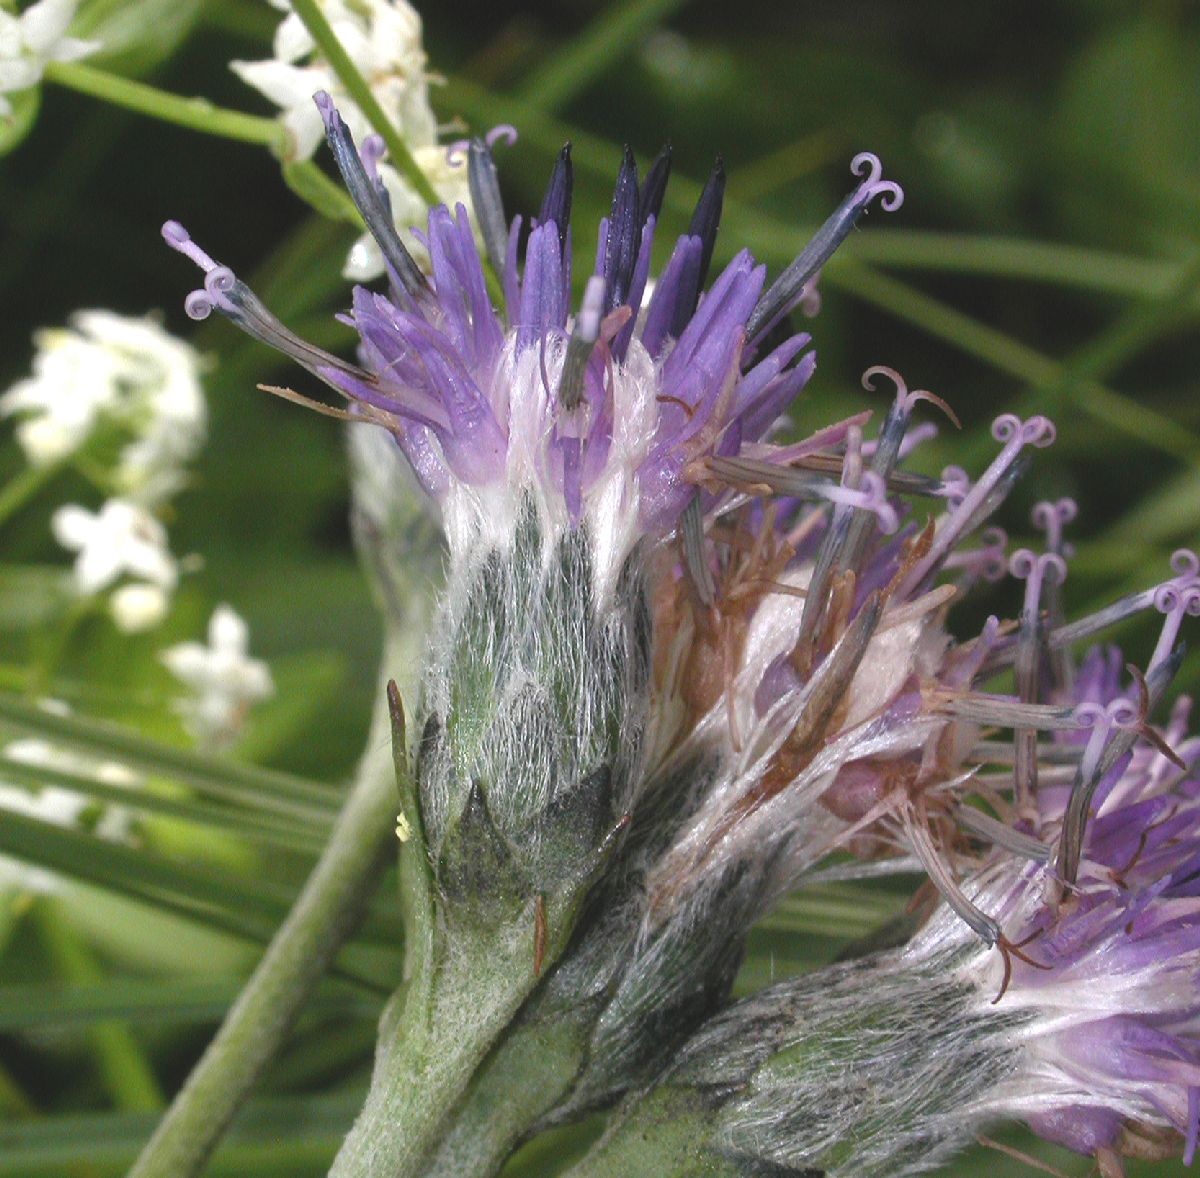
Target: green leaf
{"type": "Point", "coordinates": [144, 799]}
{"type": "Point", "coordinates": [244, 906]}
{"type": "Point", "coordinates": [295, 1135]}
{"type": "Point", "coordinates": [251, 906]}
{"type": "Point", "coordinates": [149, 1000]}
{"type": "Point", "coordinates": [216, 777]}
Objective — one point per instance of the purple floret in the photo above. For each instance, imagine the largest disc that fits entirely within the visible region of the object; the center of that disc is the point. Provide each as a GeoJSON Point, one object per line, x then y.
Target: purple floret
{"type": "Point", "coordinates": [435, 354]}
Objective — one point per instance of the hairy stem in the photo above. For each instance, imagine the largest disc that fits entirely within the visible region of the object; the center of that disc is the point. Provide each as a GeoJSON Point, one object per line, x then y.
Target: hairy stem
{"type": "Point", "coordinates": [668, 1136]}
{"type": "Point", "coordinates": [527, 1075]}
{"type": "Point", "coordinates": [17, 493]}
{"type": "Point", "coordinates": [326, 912]}
{"type": "Point", "coordinates": [434, 1035]}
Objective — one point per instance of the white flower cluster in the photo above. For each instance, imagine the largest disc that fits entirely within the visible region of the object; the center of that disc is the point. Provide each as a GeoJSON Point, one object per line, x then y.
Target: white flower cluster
{"type": "Point", "coordinates": [224, 680]}
{"type": "Point", "coordinates": [33, 39]}
{"type": "Point", "coordinates": [129, 379]}
{"type": "Point", "coordinates": [120, 539]}
{"type": "Point", "coordinates": [110, 370]}
{"type": "Point", "coordinates": [383, 38]}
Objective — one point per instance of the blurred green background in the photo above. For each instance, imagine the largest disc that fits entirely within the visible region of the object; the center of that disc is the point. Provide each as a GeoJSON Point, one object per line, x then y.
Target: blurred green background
{"type": "Point", "coordinates": [1047, 258]}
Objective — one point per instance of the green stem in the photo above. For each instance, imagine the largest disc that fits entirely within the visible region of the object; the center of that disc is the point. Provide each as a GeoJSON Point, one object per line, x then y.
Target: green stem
{"type": "Point", "coordinates": [197, 114]}
{"type": "Point", "coordinates": [122, 1063]}
{"type": "Point", "coordinates": [434, 1035]}
{"type": "Point", "coordinates": [326, 912]}
{"type": "Point", "coordinates": [348, 74]}
{"type": "Point", "coordinates": [1077, 381]}
{"type": "Point", "coordinates": [526, 1076]}
{"type": "Point", "coordinates": [1011, 356]}
{"type": "Point", "coordinates": [53, 645]}
{"type": "Point", "coordinates": [1048, 262]}
{"type": "Point", "coordinates": [20, 490]}
{"type": "Point", "coordinates": [1043, 262]}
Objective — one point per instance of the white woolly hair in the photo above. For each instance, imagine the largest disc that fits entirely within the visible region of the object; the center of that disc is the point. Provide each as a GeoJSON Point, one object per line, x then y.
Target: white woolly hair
{"type": "Point", "coordinates": [861, 1070]}
{"type": "Point", "coordinates": [897, 649]}
{"type": "Point", "coordinates": [523, 400]}
{"type": "Point", "coordinates": [537, 676]}
{"type": "Point", "coordinates": [888, 1065]}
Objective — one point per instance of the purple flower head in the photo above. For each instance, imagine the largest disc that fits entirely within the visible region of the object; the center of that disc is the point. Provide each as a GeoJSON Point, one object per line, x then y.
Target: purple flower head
{"type": "Point", "coordinates": [600, 414]}
{"type": "Point", "coordinates": [1106, 974]}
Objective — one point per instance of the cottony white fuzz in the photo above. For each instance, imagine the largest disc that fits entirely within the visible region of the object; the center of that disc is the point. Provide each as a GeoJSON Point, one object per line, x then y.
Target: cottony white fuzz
{"type": "Point", "coordinates": [485, 517]}
{"type": "Point", "coordinates": [739, 739]}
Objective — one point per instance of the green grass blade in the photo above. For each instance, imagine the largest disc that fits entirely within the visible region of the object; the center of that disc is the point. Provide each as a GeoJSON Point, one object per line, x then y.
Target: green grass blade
{"type": "Point", "coordinates": [167, 1001]}
{"type": "Point", "coordinates": [285, 1136]}
{"type": "Point", "coordinates": [250, 905]}
{"type": "Point", "coordinates": [1045, 262]}
{"type": "Point", "coordinates": [251, 825]}
{"type": "Point", "coordinates": [119, 1057]}
{"type": "Point", "coordinates": [1009, 355]}
{"type": "Point", "coordinates": [839, 911]}
{"type": "Point", "coordinates": [143, 874]}
{"type": "Point", "coordinates": [220, 777]}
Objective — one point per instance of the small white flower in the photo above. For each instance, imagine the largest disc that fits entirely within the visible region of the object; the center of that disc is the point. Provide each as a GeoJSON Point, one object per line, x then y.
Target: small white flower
{"type": "Point", "coordinates": [30, 41]}
{"type": "Point", "coordinates": [122, 538]}
{"type": "Point", "coordinates": [124, 371]}
{"type": "Point", "coordinates": [224, 680]}
{"type": "Point", "coordinates": [382, 37]}
{"type": "Point", "coordinates": [164, 408]}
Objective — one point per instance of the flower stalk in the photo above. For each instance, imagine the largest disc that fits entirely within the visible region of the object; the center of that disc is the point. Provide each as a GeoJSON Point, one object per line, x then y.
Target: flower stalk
{"type": "Point", "coordinates": [196, 114]}
{"type": "Point", "coordinates": [433, 1036]}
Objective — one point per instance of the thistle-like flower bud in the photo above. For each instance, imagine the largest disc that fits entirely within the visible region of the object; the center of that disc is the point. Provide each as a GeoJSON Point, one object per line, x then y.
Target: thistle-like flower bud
{"type": "Point", "coordinates": [562, 453]}
{"type": "Point", "coordinates": [675, 667]}
{"type": "Point", "coordinates": [1084, 1025]}
{"type": "Point", "coordinates": [559, 452]}
{"type": "Point", "coordinates": [534, 701]}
